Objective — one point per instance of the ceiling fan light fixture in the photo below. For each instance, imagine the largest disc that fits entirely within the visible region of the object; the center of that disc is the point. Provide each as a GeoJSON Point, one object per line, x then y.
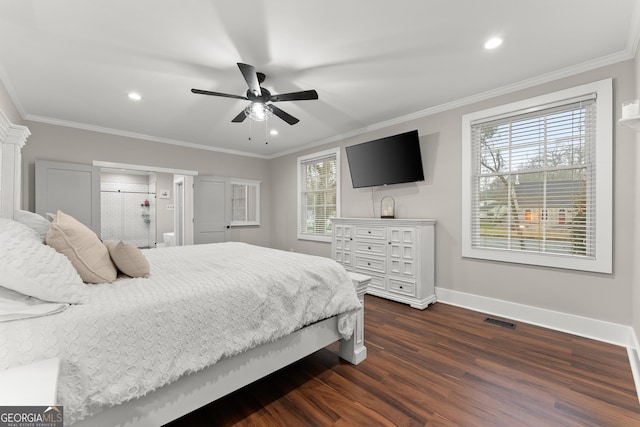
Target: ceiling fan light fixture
{"type": "Point", "coordinates": [258, 111]}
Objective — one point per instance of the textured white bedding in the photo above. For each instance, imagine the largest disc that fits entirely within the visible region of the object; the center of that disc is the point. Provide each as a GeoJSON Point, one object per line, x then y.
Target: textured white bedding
{"type": "Point", "coordinates": [201, 303]}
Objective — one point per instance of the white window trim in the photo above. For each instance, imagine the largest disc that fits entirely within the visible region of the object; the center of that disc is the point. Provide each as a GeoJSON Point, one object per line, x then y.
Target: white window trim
{"type": "Point", "coordinates": [250, 182]}
{"type": "Point", "coordinates": [303, 159]}
{"type": "Point", "coordinates": [604, 180]}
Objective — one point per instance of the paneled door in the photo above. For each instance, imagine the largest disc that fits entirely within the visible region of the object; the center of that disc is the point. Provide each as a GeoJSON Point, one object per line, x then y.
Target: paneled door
{"type": "Point", "coordinates": [71, 188]}
{"type": "Point", "coordinates": [211, 221]}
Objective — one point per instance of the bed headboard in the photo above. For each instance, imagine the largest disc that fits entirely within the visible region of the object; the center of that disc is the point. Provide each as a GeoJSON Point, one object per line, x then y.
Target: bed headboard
{"type": "Point", "coordinates": [12, 139]}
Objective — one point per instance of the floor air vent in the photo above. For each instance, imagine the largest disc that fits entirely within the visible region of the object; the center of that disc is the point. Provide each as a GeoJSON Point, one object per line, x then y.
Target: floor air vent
{"type": "Point", "coordinates": [500, 323]}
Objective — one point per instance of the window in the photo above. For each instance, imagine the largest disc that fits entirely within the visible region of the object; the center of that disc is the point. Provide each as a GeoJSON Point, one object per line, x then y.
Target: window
{"type": "Point", "coordinates": [245, 202]}
{"type": "Point", "coordinates": [544, 167]}
{"type": "Point", "coordinates": [318, 194]}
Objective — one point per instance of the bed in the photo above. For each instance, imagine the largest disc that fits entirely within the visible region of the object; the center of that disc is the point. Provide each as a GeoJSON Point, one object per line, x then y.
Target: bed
{"type": "Point", "coordinates": [208, 320]}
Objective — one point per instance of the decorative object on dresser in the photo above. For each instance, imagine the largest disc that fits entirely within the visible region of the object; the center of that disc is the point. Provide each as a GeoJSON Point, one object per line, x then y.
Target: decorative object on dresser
{"type": "Point", "coordinates": [387, 207]}
{"type": "Point", "coordinates": [398, 255]}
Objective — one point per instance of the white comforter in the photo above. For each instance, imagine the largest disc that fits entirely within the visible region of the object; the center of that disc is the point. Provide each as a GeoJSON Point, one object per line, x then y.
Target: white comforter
{"type": "Point", "coordinates": [201, 303]}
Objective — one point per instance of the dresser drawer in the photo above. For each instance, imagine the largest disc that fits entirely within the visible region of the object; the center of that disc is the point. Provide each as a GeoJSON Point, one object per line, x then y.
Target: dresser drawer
{"type": "Point", "coordinates": [402, 287]}
{"type": "Point", "coordinates": [371, 232]}
{"type": "Point", "coordinates": [371, 248]}
{"type": "Point", "coordinates": [370, 264]}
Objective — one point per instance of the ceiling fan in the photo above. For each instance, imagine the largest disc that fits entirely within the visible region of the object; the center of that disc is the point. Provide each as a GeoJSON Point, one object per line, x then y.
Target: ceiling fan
{"type": "Point", "coordinates": [259, 97]}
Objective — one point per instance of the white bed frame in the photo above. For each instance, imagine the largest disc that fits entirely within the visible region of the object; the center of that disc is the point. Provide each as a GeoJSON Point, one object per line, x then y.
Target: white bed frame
{"type": "Point", "coordinates": [193, 391]}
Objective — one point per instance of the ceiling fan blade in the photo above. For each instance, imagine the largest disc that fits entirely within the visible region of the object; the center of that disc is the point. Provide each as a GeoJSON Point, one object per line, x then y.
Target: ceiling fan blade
{"type": "Point", "coordinates": [251, 77]}
{"type": "Point", "coordinates": [284, 116]}
{"type": "Point", "coordinates": [295, 96]}
{"type": "Point", "coordinates": [240, 117]}
{"type": "Point", "coordinates": [226, 95]}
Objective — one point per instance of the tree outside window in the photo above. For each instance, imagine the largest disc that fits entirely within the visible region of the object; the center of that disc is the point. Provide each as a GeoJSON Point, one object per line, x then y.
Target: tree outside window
{"type": "Point", "coordinates": [537, 180]}
{"type": "Point", "coordinates": [318, 194]}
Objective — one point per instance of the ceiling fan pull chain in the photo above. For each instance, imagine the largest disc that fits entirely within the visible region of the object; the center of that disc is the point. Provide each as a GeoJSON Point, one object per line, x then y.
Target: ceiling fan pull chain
{"type": "Point", "coordinates": [249, 130]}
{"type": "Point", "coordinates": [266, 138]}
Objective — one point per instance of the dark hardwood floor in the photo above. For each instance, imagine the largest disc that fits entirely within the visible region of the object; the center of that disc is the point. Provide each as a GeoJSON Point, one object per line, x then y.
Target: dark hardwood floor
{"type": "Point", "coordinates": [443, 366]}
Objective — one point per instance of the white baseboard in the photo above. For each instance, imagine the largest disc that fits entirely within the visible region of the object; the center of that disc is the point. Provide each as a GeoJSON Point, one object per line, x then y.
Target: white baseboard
{"type": "Point", "coordinates": [633, 350]}
{"type": "Point", "coordinates": [612, 333]}
{"type": "Point", "coordinates": [608, 332]}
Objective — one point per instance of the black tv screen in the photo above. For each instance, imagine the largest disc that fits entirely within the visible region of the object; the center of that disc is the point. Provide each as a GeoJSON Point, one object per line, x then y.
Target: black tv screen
{"type": "Point", "coordinates": [391, 160]}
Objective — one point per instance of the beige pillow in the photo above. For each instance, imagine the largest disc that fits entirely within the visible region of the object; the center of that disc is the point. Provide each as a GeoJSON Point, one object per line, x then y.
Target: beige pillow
{"type": "Point", "coordinates": [82, 246]}
{"type": "Point", "coordinates": [129, 259]}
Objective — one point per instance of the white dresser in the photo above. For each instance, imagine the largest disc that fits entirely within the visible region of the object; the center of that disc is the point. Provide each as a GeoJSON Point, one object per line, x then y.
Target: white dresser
{"type": "Point", "coordinates": [398, 255]}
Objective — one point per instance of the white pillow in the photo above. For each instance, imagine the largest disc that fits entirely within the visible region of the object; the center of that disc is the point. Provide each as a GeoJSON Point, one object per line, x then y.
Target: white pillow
{"type": "Point", "coordinates": [16, 306]}
{"type": "Point", "coordinates": [20, 230]}
{"type": "Point", "coordinates": [32, 268]}
{"type": "Point", "coordinates": [36, 222]}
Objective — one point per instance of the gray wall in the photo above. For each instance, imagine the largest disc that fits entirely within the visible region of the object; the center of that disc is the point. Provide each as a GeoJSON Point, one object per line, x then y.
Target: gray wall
{"type": "Point", "coordinates": [597, 296]}
{"type": "Point", "coordinates": [58, 143]}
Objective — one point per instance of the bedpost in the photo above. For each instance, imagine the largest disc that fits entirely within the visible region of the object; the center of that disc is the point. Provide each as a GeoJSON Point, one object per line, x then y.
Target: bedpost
{"type": "Point", "coordinates": [12, 139]}
{"type": "Point", "coordinates": [353, 350]}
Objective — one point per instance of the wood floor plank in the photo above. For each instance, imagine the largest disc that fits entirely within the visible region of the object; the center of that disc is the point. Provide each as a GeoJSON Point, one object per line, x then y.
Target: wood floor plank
{"type": "Point", "coordinates": [443, 366]}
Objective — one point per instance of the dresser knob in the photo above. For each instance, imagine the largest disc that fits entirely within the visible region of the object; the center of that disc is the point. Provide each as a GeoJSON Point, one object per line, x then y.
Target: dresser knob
{"type": "Point", "coordinates": [369, 247]}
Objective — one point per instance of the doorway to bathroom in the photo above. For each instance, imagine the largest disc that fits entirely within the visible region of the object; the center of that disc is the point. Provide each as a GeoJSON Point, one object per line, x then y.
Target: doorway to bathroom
{"type": "Point", "coordinates": [128, 207]}
{"type": "Point", "coordinates": [140, 205]}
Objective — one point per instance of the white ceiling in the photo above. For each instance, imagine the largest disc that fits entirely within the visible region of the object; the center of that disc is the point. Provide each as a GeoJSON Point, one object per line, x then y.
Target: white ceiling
{"type": "Point", "coordinates": [373, 62]}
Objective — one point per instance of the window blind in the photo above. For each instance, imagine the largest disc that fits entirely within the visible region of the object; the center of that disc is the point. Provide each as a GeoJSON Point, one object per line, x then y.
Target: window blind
{"type": "Point", "coordinates": [533, 180]}
{"type": "Point", "coordinates": [239, 211]}
{"type": "Point", "coordinates": [319, 195]}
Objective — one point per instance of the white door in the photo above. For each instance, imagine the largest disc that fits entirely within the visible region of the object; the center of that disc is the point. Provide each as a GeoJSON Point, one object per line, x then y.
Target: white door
{"type": "Point", "coordinates": [178, 211]}
{"type": "Point", "coordinates": [210, 218]}
{"type": "Point", "coordinates": [71, 188]}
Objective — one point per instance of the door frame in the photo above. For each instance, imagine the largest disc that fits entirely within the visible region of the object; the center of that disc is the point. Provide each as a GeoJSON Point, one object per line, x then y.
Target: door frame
{"type": "Point", "coordinates": [187, 175]}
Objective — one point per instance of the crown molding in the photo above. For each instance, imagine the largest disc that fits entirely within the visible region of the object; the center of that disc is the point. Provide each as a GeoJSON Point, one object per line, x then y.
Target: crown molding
{"type": "Point", "coordinates": [624, 55]}
{"type": "Point", "coordinates": [12, 134]}
{"type": "Point", "coordinates": [118, 132]}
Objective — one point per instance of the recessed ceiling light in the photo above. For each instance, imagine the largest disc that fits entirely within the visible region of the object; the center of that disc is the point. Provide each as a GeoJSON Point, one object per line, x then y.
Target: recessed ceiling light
{"type": "Point", "coordinates": [134, 96]}
{"type": "Point", "coordinates": [273, 132]}
{"type": "Point", "coordinates": [493, 43]}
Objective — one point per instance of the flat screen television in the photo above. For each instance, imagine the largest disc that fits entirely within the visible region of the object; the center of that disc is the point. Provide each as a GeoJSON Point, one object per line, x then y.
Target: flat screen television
{"type": "Point", "coordinates": [392, 160]}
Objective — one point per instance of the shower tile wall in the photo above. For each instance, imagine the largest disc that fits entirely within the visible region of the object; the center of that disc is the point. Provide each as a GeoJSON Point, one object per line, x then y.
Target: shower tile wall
{"type": "Point", "coordinates": [124, 214]}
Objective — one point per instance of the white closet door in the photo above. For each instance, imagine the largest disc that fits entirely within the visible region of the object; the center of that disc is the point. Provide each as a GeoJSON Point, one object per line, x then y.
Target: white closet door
{"type": "Point", "coordinates": [210, 220]}
{"type": "Point", "coordinates": [71, 188]}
